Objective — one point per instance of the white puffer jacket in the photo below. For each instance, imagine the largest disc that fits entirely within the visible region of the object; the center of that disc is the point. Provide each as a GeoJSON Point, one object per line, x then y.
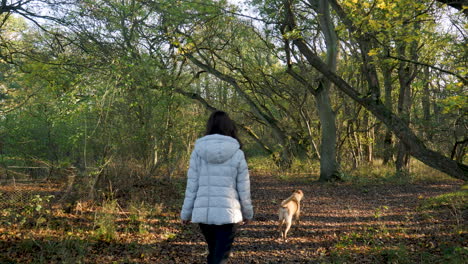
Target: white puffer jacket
{"type": "Point", "coordinates": [218, 184]}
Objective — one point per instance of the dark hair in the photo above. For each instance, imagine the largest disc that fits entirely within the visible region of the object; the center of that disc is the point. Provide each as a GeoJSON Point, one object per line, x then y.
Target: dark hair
{"type": "Point", "coordinates": [220, 123]}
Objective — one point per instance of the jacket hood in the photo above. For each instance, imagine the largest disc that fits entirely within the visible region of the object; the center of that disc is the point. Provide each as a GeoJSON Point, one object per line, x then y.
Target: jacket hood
{"type": "Point", "coordinates": [216, 148]}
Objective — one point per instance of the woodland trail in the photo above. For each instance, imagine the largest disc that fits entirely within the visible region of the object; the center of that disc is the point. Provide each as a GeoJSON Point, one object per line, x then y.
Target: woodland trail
{"type": "Point", "coordinates": [339, 223]}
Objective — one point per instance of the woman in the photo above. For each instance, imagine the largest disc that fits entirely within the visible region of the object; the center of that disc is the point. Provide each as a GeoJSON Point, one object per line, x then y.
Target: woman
{"type": "Point", "coordinates": [217, 196]}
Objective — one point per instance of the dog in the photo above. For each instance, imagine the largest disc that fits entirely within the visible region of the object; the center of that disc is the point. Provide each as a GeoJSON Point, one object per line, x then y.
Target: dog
{"type": "Point", "coordinates": [291, 207]}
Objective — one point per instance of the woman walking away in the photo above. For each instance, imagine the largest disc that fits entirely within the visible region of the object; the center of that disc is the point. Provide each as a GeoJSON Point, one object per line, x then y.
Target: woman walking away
{"type": "Point", "coordinates": [217, 196]}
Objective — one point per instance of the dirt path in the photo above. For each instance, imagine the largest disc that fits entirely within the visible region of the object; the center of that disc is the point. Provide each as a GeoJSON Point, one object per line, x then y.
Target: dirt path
{"type": "Point", "coordinates": [340, 222]}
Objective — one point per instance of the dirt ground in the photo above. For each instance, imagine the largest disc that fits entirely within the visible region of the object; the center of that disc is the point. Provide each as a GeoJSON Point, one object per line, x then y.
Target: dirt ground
{"type": "Point", "coordinates": [339, 223]}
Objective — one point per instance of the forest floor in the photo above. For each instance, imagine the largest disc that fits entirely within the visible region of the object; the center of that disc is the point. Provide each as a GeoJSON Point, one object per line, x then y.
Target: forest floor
{"type": "Point", "coordinates": [422, 222]}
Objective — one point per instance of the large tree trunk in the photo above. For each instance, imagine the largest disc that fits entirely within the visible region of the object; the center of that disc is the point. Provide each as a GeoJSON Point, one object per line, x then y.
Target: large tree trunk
{"type": "Point", "coordinates": [404, 105]}
{"type": "Point", "coordinates": [328, 163]}
{"type": "Point", "coordinates": [388, 141]}
{"type": "Point", "coordinates": [406, 74]}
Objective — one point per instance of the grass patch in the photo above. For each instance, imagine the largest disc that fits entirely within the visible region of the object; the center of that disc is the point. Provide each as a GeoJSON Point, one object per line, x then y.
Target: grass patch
{"type": "Point", "coordinates": [50, 250]}
{"type": "Point", "coordinates": [355, 247]}
{"type": "Point", "coordinates": [377, 173]}
{"type": "Point", "coordinates": [397, 254]}
{"type": "Point", "coordinates": [372, 173]}
{"type": "Point", "coordinates": [457, 200]}
{"type": "Point", "coordinates": [455, 254]}
{"type": "Point", "coordinates": [301, 170]}
{"type": "Point", "coordinates": [456, 203]}
{"type": "Point", "coordinates": [262, 163]}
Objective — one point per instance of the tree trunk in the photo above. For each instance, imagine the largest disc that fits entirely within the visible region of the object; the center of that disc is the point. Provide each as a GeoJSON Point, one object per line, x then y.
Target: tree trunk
{"type": "Point", "coordinates": [369, 140]}
{"type": "Point", "coordinates": [355, 144]}
{"type": "Point", "coordinates": [328, 163]}
{"type": "Point", "coordinates": [406, 75]}
{"type": "Point", "coordinates": [404, 99]}
{"type": "Point", "coordinates": [388, 142]}
{"type": "Point", "coordinates": [426, 106]}
{"type": "Point", "coordinates": [309, 131]}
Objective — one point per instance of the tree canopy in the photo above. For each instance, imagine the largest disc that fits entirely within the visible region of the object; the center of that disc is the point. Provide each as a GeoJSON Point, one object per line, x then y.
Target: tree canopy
{"type": "Point", "coordinates": [337, 84]}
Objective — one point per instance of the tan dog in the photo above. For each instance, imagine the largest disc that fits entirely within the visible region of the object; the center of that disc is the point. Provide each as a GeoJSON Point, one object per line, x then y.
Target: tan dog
{"type": "Point", "coordinates": [290, 208]}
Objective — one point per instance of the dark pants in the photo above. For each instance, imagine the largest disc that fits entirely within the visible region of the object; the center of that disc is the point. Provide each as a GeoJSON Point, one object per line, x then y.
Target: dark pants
{"type": "Point", "coordinates": [219, 239]}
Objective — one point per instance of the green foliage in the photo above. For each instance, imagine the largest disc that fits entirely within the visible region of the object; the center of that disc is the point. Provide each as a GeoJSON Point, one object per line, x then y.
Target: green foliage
{"type": "Point", "coordinates": [354, 238]}
{"type": "Point", "coordinates": [30, 212]}
{"type": "Point", "coordinates": [139, 214]}
{"type": "Point", "coordinates": [456, 200]}
{"type": "Point", "coordinates": [261, 163]}
{"type": "Point", "coordinates": [67, 250]}
{"type": "Point", "coordinates": [376, 173]}
{"type": "Point", "coordinates": [369, 174]}
{"type": "Point", "coordinates": [293, 34]}
{"type": "Point", "coordinates": [36, 204]}
{"type": "Point", "coordinates": [455, 254]}
{"type": "Point", "coordinates": [455, 100]}
{"type": "Point", "coordinates": [379, 211]}
{"type": "Point", "coordinates": [169, 235]}
{"type": "Point", "coordinates": [108, 84]}
{"type": "Point", "coordinates": [374, 241]}
{"type": "Point", "coordinates": [105, 221]}
{"type": "Point", "coordinates": [396, 255]}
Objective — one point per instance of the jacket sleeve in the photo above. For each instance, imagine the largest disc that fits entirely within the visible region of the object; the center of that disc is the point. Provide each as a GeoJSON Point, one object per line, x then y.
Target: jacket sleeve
{"type": "Point", "coordinates": [243, 188]}
{"type": "Point", "coordinates": [192, 187]}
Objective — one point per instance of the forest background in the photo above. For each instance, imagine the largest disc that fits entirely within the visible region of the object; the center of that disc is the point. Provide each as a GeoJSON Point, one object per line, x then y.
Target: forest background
{"type": "Point", "coordinates": [101, 98]}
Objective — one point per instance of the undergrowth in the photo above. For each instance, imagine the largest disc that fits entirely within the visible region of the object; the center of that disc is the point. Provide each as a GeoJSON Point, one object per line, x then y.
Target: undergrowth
{"type": "Point", "coordinates": [367, 174]}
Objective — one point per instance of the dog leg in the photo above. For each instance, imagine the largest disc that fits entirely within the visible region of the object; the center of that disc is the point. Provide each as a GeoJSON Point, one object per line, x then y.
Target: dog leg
{"type": "Point", "coordinates": [288, 226]}
{"type": "Point", "coordinates": [297, 216]}
{"type": "Point", "coordinates": [298, 222]}
{"type": "Point", "coordinates": [280, 228]}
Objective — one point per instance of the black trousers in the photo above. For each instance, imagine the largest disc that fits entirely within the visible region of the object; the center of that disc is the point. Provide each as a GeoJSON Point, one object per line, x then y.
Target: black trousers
{"type": "Point", "coordinates": [219, 239]}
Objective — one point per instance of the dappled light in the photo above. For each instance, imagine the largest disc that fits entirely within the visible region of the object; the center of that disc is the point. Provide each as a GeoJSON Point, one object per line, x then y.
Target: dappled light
{"type": "Point", "coordinates": [360, 104]}
{"type": "Point", "coordinates": [340, 222]}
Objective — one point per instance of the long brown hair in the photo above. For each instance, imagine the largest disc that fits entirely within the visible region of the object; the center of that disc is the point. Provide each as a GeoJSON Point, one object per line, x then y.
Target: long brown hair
{"type": "Point", "coordinates": [220, 123]}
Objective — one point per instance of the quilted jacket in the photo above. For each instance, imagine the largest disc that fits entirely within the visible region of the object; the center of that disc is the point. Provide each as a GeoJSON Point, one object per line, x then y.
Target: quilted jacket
{"type": "Point", "coordinates": [218, 184]}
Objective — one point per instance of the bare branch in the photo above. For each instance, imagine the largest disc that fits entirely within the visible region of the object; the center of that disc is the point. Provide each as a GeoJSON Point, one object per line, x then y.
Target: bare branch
{"type": "Point", "coordinates": [463, 79]}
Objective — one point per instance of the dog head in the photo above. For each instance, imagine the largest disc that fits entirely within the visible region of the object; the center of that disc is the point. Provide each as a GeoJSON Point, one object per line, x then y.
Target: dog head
{"type": "Point", "coordinates": [298, 194]}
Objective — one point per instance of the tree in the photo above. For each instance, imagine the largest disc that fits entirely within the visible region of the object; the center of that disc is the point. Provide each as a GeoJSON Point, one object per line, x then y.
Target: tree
{"type": "Point", "coordinates": [372, 101]}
